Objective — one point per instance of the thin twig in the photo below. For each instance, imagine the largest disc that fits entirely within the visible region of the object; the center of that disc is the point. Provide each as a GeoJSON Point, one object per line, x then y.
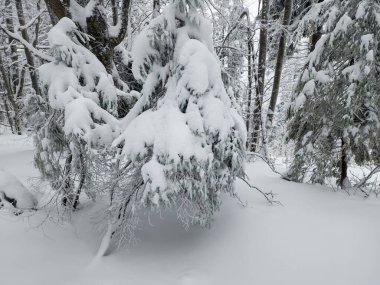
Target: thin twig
{"type": "Point", "coordinates": [269, 196]}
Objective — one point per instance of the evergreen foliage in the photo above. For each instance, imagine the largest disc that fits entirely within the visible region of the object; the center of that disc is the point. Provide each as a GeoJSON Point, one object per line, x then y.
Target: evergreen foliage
{"type": "Point", "coordinates": [75, 112]}
{"type": "Point", "coordinates": [334, 117]}
{"type": "Point", "coordinates": [187, 139]}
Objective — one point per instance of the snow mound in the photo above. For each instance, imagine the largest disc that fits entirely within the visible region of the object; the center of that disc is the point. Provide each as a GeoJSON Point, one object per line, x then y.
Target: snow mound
{"type": "Point", "coordinates": [15, 193]}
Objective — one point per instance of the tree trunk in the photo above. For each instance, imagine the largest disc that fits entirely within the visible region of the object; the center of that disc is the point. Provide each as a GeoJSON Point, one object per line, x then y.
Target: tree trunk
{"type": "Point", "coordinates": [250, 80]}
{"type": "Point", "coordinates": [67, 199]}
{"type": "Point", "coordinates": [14, 68]}
{"type": "Point", "coordinates": [102, 44]}
{"type": "Point", "coordinates": [279, 64]}
{"type": "Point", "coordinates": [7, 113]}
{"type": "Point", "coordinates": [260, 75]}
{"type": "Point", "coordinates": [250, 71]}
{"type": "Point", "coordinates": [344, 166]}
{"type": "Point", "coordinates": [114, 12]}
{"type": "Point", "coordinates": [56, 10]}
{"type": "Point", "coordinates": [315, 38]}
{"type": "Point", "coordinates": [28, 54]}
{"type": "Point", "coordinates": [82, 178]}
{"type": "Point", "coordinates": [11, 98]}
{"type": "Point", "coordinates": [156, 8]}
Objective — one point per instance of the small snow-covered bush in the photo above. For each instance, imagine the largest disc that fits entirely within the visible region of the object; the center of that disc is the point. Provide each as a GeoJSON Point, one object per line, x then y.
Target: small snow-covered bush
{"type": "Point", "coordinates": [13, 192]}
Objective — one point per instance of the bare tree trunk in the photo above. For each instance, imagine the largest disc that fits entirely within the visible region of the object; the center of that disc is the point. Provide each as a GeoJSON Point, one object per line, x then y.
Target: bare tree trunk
{"type": "Point", "coordinates": [37, 27]}
{"type": "Point", "coordinates": [12, 78]}
{"type": "Point", "coordinates": [260, 75]}
{"type": "Point", "coordinates": [114, 4]}
{"type": "Point", "coordinates": [13, 45]}
{"type": "Point", "coordinates": [56, 10]}
{"type": "Point", "coordinates": [28, 54]}
{"type": "Point", "coordinates": [82, 177]}
{"type": "Point", "coordinates": [7, 112]}
{"type": "Point", "coordinates": [250, 80]}
{"type": "Point", "coordinates": [67, 199]}
{"type": "Point", "coordinates": [11, 98]}
{"type": "Point", "coordinates": [279, 64]}
{"type": "Point", "coordinates": [315, 38]}
{"type": "Point", "coordinates": [250, 73]}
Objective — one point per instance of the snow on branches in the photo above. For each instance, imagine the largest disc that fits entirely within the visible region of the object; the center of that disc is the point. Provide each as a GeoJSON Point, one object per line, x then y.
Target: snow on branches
{"type": "Point", "coordinates": [334, 117]}
{"type": "Point", "coordinates": [76, 112]}
{"type": "Point", "coordinates": [191, 141]}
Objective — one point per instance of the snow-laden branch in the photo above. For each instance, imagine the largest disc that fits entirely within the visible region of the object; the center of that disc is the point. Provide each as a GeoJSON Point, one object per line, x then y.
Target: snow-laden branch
{"type": "Point", "coordinates": [16, 36]}
{"type": "Point", "coordinates": [31, 22]}
{"type": "Point", "coordinates": [363, 181]}
{"type": "Point", "coordinates": [21, 47]}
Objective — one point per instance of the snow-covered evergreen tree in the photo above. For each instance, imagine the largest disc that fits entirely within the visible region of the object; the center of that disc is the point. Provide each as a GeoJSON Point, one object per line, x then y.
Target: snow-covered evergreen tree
{"type": "Point", "coordinates": [183, 143]}
{"type": "Point", "coordinates": [76, 112]}
{"type": "Point", "coordinates": [334, 117]}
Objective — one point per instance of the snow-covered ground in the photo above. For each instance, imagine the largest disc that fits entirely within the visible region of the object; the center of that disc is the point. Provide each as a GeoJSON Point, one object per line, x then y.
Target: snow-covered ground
{"type": "Point", "coordinates": [318, 237]}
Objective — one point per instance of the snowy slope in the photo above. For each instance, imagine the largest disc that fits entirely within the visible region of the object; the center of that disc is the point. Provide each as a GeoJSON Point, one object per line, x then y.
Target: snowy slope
{"type": "Point", "coordinates": [318, 237]}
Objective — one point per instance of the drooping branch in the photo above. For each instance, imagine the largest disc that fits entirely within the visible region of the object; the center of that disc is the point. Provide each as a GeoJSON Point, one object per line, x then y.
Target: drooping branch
{"type": "Point", "coordinates": [243, 14]}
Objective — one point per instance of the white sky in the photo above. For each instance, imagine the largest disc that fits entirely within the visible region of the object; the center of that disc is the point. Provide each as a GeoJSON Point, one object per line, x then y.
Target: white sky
{"type": "Point", "coordinates": [252, 6]}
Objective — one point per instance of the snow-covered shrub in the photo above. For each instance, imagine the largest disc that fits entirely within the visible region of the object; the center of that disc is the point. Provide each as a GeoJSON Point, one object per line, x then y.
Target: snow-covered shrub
{"type": "Point", "coordinates": [13, 192]}
{"type": "Point", "coordinates": [183, 143]}
{"type": "Point", "coordinates": [180, 146]}
{"type": "Point", "coordinates": [76, 112]}
{"type": "Point", "coordinates": [334, 117]}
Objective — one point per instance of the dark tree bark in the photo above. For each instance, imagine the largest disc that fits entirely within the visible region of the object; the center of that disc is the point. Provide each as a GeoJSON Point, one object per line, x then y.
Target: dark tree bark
{"type": "Point", "coordinates": [344, 165]}
{"type": "Point", "coordinates": [83, 176]}
{"type": "Point", "coordinates": [315, 38]}
{"type": "Point", "coordinates": [257, 119]}
{"type": "Point", "coordinates": [102, 43]}
{"type": "Point", "coordinates": [56, 10]}
{"type": "Point", "coordinates": [37, 26]}
{"type": "Point", "coordinates": [279, 63]}
{"type": "Point", "coordinates": [68, 195]}
{"type": "Point", "coordinates": [114, 12]}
